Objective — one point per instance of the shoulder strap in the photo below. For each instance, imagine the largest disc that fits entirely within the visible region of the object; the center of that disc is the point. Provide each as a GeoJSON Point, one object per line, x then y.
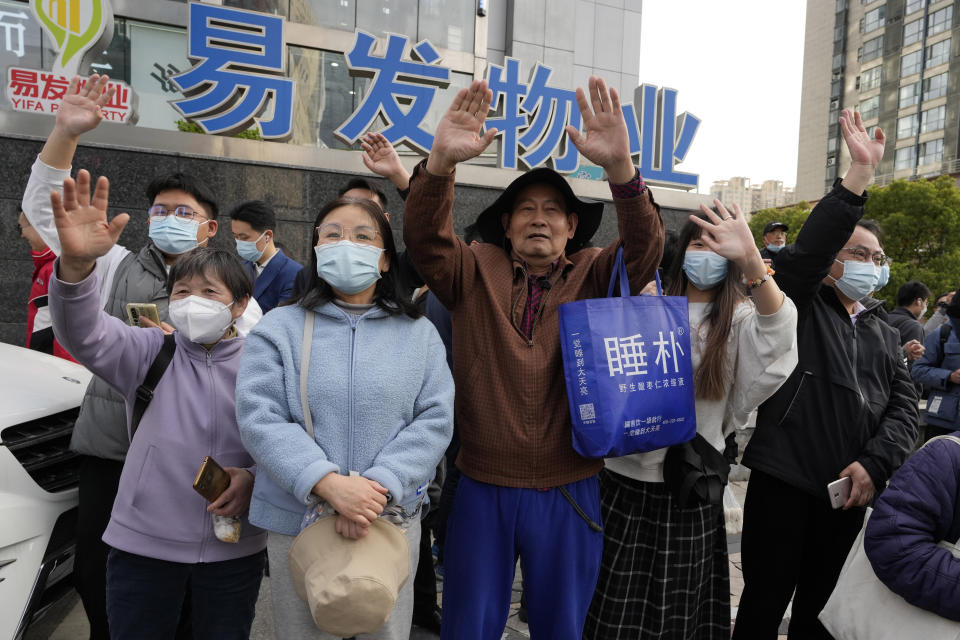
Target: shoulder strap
{"type": "Point", "coordinates": [304, 369]}
{"type": "Point", "coordinates": [944, 336]}
{"type": "Point", "coordinates": [145, 391]}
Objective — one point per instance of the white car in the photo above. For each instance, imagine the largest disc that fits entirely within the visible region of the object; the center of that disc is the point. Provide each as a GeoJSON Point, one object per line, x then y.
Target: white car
{"type": "Point", "coordinates": [39, 399]}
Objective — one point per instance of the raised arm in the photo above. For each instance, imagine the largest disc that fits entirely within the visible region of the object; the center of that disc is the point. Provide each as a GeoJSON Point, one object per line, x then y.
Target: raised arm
{"type": "Point", "coordinates": [79, 113]}
{"type": "Point", "coordinates": [117, 353]}
{"type": "Point", "coordinates": [802, 265]}
{"type": "Point", "coordinates": [438, 254]}
{"type": "Point", "coordinates": [606, 144]}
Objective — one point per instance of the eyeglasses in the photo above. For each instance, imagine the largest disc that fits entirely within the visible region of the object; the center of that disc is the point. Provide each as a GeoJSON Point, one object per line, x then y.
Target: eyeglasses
{"type": "Point", "coordinates": [161, 211]}
{"type": "Point", "coordinates": [863, 255]}
{"type": "Point", "coordinates": [335, 232]}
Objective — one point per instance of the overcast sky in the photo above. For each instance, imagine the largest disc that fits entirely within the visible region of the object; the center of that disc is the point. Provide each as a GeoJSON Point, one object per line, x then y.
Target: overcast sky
{"type": "Point", "coordinates": [737, 65]}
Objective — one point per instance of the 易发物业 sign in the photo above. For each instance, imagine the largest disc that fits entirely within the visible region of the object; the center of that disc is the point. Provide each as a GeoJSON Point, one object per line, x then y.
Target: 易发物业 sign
{"type": "Point", "coordinates": [78, 29]}
{"type": "Point", "coordinates": [238, 80]}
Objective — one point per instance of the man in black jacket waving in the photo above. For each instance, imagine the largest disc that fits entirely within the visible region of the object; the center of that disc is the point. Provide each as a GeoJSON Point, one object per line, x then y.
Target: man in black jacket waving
{"type": "Point", "coordinates": [848, 410]}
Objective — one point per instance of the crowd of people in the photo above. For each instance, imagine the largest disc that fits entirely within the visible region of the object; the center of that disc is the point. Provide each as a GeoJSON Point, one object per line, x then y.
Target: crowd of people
{"type": "Point", "coordinates": [328, 391]}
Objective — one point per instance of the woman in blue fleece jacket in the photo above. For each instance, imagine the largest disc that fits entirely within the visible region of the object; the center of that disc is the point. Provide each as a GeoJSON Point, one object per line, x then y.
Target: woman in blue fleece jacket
{"type": "Point", "coordinates": [380, 395]}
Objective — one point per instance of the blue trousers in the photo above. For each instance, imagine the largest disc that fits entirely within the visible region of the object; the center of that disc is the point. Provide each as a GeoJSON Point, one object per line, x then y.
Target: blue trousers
{"type": "Point", "coordinates": [144, 596]}
{"type": "Point", "coordinates": [489, 528]}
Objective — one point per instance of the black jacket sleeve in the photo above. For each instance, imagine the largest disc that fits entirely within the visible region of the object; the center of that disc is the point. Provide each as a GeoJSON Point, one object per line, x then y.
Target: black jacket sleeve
{"type": "Point", "coordinates": [893, 442]}
{"type": "Point", "coordinates": [801, 266]}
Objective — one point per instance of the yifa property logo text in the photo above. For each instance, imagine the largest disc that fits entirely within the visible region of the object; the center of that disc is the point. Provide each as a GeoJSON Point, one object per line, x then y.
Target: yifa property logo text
{"type": "Point", "coordinates": [79, 30]}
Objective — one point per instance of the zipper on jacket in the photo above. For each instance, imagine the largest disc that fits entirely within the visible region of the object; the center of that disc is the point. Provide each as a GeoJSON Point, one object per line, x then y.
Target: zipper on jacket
{"type": "Point", "coordinates": [206, 519]}
{"type": "Point", "coordinates": [353, 340]}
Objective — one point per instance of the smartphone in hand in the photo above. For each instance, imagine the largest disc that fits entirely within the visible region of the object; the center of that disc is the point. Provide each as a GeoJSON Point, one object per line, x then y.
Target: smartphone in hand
{"type": "Point", "coordinates": [211, 480]}
{"type": "Point", "coordinates": [145, 309]}
{"type": "Point", "coordinates": [839, 491]}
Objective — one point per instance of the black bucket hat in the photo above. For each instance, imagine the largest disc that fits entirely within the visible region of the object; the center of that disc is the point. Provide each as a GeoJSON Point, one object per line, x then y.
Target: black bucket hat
{"type": "Point", "coordinates": [489, 222]}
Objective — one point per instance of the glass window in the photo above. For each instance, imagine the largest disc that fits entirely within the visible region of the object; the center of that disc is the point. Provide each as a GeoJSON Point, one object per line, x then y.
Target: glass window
{"type": "Point", "coordinates": [910, 64]}
{"type": "Point", "coordinates": [870, 108]}
{"type": "Point", "coordinates": [838, 61]}
{"type": "Point", "coordinates": [909, 95]}
{"type": "Point", "coordinates": [931, 152]}
{"type": "Point", "coordinates": [933, 119]}
{"type": "Point", "coordinates": [156, 54]}
{"type": "Point", "coordinates": [873, 19]}
{"type": "Point", "coordinates": [871, 78]}
{"type": "Point", "coordinates": [907, 126]}
{"type": "Point", "coordinates": [914, 5]}
{"type": "Point", "coordinates": [841, 5]}
{"type": "Point", "coordinates": [935, 86]}
{"type": "Point", "coordinates": [276, 7]}
{"type": "Point", "coordinates": [905, 158]}
{"type": "Point", "coordinates": [939, 21]}
{"type": "Point", "coordinates": [23, 44]}
{"type": "Point", "coordinates": [938, 53]}
{"type": "Point", "coordinates": [831, 145]}
{"type": "Point", "coordinates": [872, 49]}
{"type": "Point", "coordinates": [912, 32]}
{"type": "Point", "coordinates": [380, 17]}
{"type": "Point", "coordinates": [336, 14]}
{"type": "Point", "coordinates": [113, 60]}
{"type": "Point", "coordinates": [326, 96]}
{"type": "Point", "coordinates": [447, 23]}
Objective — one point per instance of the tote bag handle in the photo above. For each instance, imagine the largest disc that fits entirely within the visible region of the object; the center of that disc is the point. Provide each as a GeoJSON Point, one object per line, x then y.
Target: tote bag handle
{"type": "Point", "coordinates": [620, 269]}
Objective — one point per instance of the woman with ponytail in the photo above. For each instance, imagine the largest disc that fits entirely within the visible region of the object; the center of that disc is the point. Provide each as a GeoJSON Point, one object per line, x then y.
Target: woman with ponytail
{"type": "Point", "coordinates": [664, 572]}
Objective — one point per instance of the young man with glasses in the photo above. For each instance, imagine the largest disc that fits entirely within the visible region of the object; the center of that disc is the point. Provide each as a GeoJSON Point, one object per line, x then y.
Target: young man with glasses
{"type": "Point", "coordinates": [849, 410]}
{"type": "Point", "coordinates": [182, 216]}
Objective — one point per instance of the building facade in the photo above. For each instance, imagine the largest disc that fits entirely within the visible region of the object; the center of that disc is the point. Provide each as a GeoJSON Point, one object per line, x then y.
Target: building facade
{"type": "Point", "coordinates": [576, 38]}
{"type": "Point", "coordinates": [739, 191]}
{"type": "Point", "coordinates": [895, 61]}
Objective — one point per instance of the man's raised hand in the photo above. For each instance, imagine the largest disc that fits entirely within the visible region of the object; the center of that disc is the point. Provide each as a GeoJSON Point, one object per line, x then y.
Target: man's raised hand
{"type": "Point", "coordinates": [458, 134]}
{"type": "Point", "coordinates": [605, 141]}
{"type": "Point", "coordinates": [381, 158]}
{"type": "Point", "coordinates": [865, 151]}
{"type": "Point", "coordinates": [82, 225]}
{"type": "Point", "coordinates": [80, 111]}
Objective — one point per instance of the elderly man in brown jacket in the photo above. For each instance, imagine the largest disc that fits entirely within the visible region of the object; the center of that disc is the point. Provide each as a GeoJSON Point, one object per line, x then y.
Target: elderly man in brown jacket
{"type": "Point", "coordinates": [524, 491]}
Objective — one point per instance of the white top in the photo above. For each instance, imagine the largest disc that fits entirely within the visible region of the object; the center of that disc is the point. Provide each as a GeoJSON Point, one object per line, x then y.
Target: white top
{"type": "Point", "coordinates": [37, 209]}
{"type": "Point", "coordinates": [761, 355]}
{"type": "Point", "coordinates": [260, 267]}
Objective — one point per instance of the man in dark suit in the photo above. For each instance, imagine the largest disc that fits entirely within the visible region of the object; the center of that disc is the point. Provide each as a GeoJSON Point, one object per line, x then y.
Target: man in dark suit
{"type": "Point", "coordinates": [253, 224]}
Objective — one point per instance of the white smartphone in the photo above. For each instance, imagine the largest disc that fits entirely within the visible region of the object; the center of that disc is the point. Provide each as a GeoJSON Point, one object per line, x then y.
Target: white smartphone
{"type": "Point", "coordinates": [839, 491]}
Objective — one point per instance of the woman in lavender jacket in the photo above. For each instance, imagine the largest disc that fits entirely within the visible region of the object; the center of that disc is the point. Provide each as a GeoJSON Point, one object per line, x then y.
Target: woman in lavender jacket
{"type": "Point", "coordinates": [160, 532]}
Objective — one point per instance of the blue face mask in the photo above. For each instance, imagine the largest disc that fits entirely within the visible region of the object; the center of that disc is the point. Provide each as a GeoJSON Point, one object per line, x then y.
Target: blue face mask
{"type": "Point", "coordinates": [247, 249]}
{"type": "Point", "coordinates": [705, 269]}
{"type": "Point", "coordinates": [348, 266]}
{"type": "Point", "coordinates": [774, 248]}
{"type": "Point", "coordinates": [174, 235]}
{"type": "Point", "coordinates": [884, 276]}
{"type": "Point", "coordinates": [859, 279]}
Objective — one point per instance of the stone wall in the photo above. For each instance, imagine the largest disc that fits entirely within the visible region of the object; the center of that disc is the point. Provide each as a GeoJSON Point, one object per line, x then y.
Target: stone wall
{"type": "Point", "coordinates": [297, 194]}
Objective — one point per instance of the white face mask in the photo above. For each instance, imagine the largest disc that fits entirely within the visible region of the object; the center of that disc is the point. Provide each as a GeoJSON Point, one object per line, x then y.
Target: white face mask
{"type": "Point", "coordinates": [201, 320]}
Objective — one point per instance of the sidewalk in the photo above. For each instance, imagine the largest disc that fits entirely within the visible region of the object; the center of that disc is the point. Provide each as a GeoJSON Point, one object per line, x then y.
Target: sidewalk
{"type": "Point", "coordinates": [67, 622]}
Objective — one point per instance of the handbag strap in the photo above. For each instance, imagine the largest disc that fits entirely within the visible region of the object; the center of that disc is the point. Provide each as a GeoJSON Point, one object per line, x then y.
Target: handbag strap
{"type": "Point", "coordinates": [619, 269]}
{"type": "Point", "coordinates": [308, 320]}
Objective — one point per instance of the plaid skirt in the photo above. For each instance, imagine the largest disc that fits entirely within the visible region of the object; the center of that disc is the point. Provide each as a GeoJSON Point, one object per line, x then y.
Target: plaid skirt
{"type": "Point", "coordinates": [664, 572]}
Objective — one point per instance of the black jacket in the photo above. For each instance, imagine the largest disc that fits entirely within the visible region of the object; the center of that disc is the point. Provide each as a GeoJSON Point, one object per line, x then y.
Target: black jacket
{"type": "Point", "coordinates": [850, 397]}
{"type": "Point", "coordinates": [906, 324]}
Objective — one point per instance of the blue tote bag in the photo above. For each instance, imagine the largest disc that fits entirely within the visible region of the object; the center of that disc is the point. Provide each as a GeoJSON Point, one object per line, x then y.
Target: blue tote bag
{"type": "Point", "coordinates": [628, 370]}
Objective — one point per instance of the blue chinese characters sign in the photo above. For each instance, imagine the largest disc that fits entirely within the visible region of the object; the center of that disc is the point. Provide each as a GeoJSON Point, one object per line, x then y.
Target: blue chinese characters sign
{"type": "Point", "coordinates": [241, 58]}
{"type": "Point", "coordinates": [240, 73]}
